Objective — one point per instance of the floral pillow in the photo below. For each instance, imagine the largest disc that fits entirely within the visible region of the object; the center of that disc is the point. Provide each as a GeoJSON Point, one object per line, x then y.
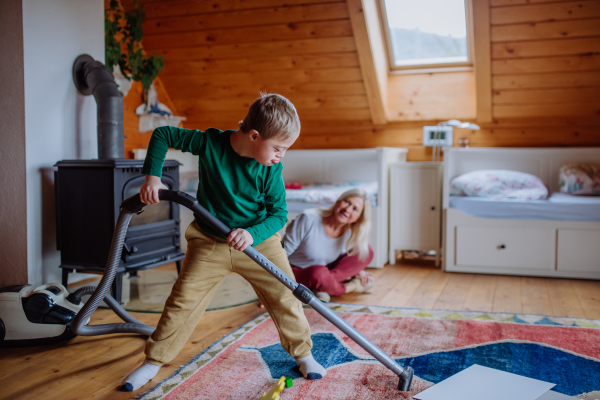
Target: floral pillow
{"type": "Point", "coordinates": [580, 179]}
{"type": "Point", "coordinates": [499, 184]}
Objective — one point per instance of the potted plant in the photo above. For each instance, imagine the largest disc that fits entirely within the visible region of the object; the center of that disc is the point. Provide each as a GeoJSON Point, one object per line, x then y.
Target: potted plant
{"type": "Point", "coordinates": [123, 47]}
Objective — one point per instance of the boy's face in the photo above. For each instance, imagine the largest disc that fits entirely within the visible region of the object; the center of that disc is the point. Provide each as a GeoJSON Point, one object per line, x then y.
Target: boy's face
{"type": "Point", "coordinates": [271, 151]}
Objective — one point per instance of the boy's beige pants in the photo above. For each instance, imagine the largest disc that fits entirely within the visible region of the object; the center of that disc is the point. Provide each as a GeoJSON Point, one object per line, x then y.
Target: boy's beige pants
{"type": "Point", "coordinates": [207, 262]}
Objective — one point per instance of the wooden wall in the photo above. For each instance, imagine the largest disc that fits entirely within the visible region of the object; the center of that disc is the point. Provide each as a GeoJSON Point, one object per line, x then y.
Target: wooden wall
{"type": "Point", "coordinates": [545, 58]}
{"type": "Point", "coordinates": [543, 70]}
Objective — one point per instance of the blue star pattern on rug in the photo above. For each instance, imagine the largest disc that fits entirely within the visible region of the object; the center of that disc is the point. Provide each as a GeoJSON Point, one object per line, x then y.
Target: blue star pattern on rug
{"type": "Point", "coordinates": [573, 374]}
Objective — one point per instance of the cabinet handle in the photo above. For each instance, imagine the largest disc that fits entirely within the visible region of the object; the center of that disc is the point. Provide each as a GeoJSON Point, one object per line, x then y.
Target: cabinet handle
{"type": "Point", "coordinates": [432, 208]}
{"type": "Point", "coordinates": [501, 247]}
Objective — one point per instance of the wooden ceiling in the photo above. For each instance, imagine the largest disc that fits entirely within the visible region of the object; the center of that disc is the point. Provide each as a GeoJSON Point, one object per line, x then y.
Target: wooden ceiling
{"type": "Point", "coordinates": [220, 54]}
{"type": "Point", "coordinates": [536, 76]}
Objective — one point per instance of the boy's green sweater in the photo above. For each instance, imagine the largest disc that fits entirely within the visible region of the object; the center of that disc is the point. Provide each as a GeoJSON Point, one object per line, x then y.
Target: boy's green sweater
{"type": "Point", "coordinates": [237, 190]}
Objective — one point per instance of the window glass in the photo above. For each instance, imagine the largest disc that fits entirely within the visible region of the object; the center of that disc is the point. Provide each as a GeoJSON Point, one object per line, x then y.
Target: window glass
{"type": "Point", "coordinates": [427, 32]}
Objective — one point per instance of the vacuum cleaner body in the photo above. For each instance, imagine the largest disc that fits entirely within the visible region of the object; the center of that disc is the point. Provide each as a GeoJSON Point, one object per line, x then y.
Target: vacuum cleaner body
{"type": "Point", "coordinates": [32, 315]}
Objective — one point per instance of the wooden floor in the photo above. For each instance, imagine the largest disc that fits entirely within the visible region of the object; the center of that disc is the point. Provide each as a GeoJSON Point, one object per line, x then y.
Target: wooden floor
{"type": "Point", "coordinates": [91, 368]}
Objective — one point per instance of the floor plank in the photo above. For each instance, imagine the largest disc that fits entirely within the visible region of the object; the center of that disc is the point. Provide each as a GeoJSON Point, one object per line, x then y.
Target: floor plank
{"type": "Point", "coordinates": [428, 293]}
{"type": "Point", "coordinates": [564, 298]}
{"type": "Point", "coordinates": [481, 293]}
{"type": "Point", "coordinates": [92, 367]}
{"type": "Point", "coordinates": [507, 297]}
{"type": "Point", "coordinates": [588, 293]}
{"type": "Point", "coordinates": [535, 295]}
{"type": "Point", "coordinates": [384, 283]}
{"type": "Point", "coordinates": [405, 288]}
{"type": "Point", "coordinates": [453, 296]}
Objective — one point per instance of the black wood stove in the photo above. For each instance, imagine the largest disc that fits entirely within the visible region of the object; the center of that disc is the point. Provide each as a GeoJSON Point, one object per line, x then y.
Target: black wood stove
{"type": "Point", "coordinates": [88, 195]}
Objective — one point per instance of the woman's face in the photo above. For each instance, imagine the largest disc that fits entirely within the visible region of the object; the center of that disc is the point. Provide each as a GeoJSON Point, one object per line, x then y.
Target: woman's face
{"type": "Point", "coordinates": [349, 210]}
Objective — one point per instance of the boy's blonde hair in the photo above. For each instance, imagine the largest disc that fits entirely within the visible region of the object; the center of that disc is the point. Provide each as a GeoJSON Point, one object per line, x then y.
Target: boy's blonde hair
{"type": "Point", "coordinates": [272, 115]}
{"type": "Point", "coordinates": [359, 238]}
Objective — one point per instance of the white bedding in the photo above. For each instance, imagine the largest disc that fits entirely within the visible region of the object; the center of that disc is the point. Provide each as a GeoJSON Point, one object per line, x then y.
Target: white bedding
{"type": "Point", "coordinates": [558, 207]}
{"type": "Point", "coordinates": [325, 194]}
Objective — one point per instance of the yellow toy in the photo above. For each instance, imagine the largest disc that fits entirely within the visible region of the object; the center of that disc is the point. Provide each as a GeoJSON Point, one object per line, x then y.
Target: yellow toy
{"type": "Point", "coordinates": [281, 384]}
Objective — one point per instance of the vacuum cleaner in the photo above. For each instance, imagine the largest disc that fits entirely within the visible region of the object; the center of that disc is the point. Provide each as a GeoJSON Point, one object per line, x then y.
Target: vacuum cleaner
{"type": "Point", "coordinates": [49, 303]}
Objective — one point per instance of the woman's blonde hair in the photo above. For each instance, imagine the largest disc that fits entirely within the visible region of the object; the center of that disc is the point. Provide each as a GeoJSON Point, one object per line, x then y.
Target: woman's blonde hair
{"type": "Point", "coordinates": [359, 238]}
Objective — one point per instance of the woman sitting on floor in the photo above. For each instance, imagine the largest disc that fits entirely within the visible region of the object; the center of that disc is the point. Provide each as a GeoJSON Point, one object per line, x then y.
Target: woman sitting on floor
{"type": "Point", "coordinates": [328, 249]}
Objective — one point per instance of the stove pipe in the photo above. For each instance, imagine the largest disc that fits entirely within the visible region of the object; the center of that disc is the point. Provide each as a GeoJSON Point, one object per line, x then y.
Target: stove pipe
{"type": "Point", "coordinates": [92, 77]}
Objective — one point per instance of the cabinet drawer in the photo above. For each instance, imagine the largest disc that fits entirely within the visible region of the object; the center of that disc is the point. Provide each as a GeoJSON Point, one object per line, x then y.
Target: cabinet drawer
{"type": "Point", "coordinates": [578, 250]}
{"type": "Point", "coordinates": [505, 247]}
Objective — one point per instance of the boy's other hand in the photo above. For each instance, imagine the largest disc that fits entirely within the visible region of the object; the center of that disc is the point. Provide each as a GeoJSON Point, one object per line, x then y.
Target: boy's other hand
{"type": "Point", "coordinates": [150, 188]}
{"type": "Point", "coordinates": [239, 239]}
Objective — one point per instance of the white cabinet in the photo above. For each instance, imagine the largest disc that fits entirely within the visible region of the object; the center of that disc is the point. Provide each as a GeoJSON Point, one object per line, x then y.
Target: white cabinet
{"type": "Point", "coordinates": [578, 250]}
{"type": "Point", "coordinates": [415, 207]}
{"type": "Point", "coordinates": [482, 246]}
{"type": "Point", "coordinates": [562, 249]}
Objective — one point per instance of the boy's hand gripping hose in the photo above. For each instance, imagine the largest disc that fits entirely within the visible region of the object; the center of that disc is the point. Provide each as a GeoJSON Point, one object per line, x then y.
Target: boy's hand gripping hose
{"type": "Point", "coordinates": [134, 205]}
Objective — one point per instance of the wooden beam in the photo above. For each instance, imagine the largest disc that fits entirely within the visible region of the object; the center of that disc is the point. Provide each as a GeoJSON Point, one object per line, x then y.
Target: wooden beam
{"type": "Point", "coordinates": [550, 80]}
{"type": "Point", "coordinates": [496, 3]}
{"type": "Point", "coordinates": [160, 24]}
{"type": "Point", "coordinates": [586, 110]}
{"type": "Point", "coordinates": [267, 62]}
{"type": "Point", "coordinates": [547, 96]}
{"type": "Point", "coordinates": [162, 8]}
{"type": "Point", "coordinates": [546, 30]}
{"type": "Point", "coordinates": [545, 12]}
{"type": "Point", "coordinates": [363, 16]}
{"type": "Point", "coordinates": [584, 62]}
{"type": "Point", "coordinates": [255, 34]}
{"type": "Point", "coordinates": [544, 48]}
{"type": "Point", "coordinates": [482, 59]}
{"type": "Point", "coordinates": [237, 50]}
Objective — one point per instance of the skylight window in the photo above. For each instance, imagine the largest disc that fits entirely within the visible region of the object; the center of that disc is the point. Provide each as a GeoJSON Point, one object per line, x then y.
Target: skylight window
{"type": "Point", "coordinates": [427, 33]}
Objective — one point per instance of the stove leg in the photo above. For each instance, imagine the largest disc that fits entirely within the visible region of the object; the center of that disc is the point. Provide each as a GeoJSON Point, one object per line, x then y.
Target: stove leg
{"type": "Point", "coordinates": [117, 287]}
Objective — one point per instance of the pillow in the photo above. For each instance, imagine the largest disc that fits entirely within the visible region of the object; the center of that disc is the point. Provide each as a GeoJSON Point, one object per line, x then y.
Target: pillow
{"type": "Point", "coordinates": [499, 184]}
{"type": "Point", "coordinates": [580, 179]}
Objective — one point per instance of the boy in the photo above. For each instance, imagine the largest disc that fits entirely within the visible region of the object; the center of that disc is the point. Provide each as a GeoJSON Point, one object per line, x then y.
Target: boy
{"type": "Point", "coordinates": [240, 184]}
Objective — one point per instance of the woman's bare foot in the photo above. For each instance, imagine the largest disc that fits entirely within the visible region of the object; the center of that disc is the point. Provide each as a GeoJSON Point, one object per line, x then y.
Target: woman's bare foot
{"type": "Point", "coordinates": [360, 282]}
{"type": "Point", "coordinates": [350, 286]}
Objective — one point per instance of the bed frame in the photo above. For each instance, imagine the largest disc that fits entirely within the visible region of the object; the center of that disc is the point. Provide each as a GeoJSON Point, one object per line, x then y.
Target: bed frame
{"type": "Point", "coordinates": [519, 247]}
{"type": "Point", "coordinates": [345, 165]}
{"type": "Point", "coordinates": [321, 166]}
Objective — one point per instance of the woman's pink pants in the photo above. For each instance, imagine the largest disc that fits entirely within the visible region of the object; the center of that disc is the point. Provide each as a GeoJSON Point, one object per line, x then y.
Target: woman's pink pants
{"type": "Point", "coordinates": [329, 278]}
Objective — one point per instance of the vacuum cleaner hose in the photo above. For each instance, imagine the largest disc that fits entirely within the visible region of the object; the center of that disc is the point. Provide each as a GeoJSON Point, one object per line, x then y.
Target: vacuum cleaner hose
{"type": "Point", "coordinates": [132, 325]}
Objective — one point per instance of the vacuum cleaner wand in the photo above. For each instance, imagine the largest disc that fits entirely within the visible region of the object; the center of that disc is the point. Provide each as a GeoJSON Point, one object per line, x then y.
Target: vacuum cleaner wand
{"type": "Point", "coordinates": [302, 293]}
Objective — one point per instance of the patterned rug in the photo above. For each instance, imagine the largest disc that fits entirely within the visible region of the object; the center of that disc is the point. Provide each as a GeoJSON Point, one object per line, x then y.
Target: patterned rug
{"type": "Point", "coordinates": [437, 344]}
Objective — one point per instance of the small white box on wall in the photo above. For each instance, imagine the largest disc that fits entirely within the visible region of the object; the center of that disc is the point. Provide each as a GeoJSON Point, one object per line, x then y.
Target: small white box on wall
{"type": "Point", "coordinates": [437, 136]}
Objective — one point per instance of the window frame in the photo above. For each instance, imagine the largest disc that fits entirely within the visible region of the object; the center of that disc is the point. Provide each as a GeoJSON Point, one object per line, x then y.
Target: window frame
{"type": "Point", "coordinates": [427, 68]}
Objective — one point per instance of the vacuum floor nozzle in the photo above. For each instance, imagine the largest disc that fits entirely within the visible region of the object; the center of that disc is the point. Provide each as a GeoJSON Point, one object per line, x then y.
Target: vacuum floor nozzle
{"type": "Point", "coordinates": [406, 379]}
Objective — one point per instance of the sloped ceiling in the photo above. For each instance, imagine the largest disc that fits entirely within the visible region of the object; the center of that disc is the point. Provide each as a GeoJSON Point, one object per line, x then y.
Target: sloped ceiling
{"type": "Point", "coordinates": [220, 54]}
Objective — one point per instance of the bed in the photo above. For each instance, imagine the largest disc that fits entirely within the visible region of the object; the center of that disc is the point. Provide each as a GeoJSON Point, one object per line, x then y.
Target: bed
{"type": "Point", "coordinates": [558, 236]}
{"type": "Point", "coordinates": [367, 167]}
{"type": "Point", "coordinates": [319, 170]}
